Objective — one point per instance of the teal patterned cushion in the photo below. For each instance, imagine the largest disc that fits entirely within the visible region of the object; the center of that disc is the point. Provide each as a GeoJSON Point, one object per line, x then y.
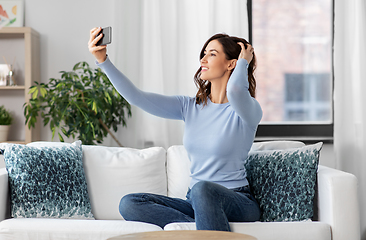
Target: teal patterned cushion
{"type": "Point", "coordinates": [283, 182]}
{"type": "Point", "coordinates": [47, 182]}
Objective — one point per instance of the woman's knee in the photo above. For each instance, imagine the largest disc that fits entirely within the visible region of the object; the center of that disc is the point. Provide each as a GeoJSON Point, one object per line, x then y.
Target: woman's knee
{"type": "Point", "coordinates": [203, 189]}
{"type": "Point", "coordinates": [127, 203]}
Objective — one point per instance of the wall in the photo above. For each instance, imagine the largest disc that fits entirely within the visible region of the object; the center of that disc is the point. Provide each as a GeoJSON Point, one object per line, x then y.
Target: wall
{"type": "Point", "coordinates": [64, 28]}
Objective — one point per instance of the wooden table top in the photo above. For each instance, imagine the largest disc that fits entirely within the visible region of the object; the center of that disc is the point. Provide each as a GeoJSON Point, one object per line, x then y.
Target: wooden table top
{"type": "Point", "coordinates": [184, 235]}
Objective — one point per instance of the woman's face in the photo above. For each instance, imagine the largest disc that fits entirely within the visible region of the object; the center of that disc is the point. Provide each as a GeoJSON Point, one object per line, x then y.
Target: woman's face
{"type": "Point", "coordinates": [214, 64]}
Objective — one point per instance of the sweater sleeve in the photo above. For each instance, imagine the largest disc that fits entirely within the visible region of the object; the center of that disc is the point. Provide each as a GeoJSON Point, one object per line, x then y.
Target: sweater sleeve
{"type": "Point", "coordinates": [159, 105]}
{"type": "Point", "coordinates": [239, 97]}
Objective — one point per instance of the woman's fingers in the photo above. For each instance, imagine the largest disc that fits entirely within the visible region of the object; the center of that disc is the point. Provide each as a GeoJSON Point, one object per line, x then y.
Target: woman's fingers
{"type": "Point", "coordinates": [99, 52]}
{"type": "Point", "coordinates": [241, 55]}
{"type": "Point", "coordinates": [93, 40]}
{"type": "Point", "coordinates": [93, 35]}
{"type": "Point", "coordinates": [246, 53]}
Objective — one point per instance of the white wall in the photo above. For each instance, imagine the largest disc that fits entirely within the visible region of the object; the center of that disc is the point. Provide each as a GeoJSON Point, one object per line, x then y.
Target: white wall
{"type": "Point", "coordinates": [64, 28]}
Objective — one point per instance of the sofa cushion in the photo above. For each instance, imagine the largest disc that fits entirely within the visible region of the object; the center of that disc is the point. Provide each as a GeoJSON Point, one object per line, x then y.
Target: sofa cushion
{"type": "Point", "coordinates": [276, 145]}
{"type": "Point", "coordinates": [272, 230]}
{"type": "Point", "coordinates": [45, 229]}
{"type": "Point", "coordinates": [113, 172]}
{"type": "Point", "coordinates": [178, 172]}
{"type": "Point", "coordinates": [283, 182]}
{"type": "Point", "coordinates": [47, 182]}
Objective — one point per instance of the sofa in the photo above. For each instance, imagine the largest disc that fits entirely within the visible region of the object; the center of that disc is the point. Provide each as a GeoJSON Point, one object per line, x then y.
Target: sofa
{"type": "Point", "coordinates": [112, 172]}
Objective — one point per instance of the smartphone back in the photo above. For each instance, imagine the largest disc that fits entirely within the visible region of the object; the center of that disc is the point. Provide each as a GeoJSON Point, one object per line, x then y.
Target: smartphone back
{"type": "Point", "coordinates": [107, 36]}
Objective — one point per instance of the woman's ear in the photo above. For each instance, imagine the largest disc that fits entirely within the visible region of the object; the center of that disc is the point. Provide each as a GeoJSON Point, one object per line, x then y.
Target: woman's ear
{"type": "Point", "coordinates": [232, 64]}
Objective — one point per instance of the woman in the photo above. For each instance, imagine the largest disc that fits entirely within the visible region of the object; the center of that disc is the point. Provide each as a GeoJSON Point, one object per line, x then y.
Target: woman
{"type": "Point", "coordinates": [220, 126]}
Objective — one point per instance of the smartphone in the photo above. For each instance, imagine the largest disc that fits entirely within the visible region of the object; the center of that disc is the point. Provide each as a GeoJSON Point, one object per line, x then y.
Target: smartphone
{"type": "Point", "coordinates": [107, 36]}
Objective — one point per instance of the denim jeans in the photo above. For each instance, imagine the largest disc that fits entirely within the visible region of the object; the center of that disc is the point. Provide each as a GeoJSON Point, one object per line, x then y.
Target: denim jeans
{"type": "Point", "coordinates": [210, 205]}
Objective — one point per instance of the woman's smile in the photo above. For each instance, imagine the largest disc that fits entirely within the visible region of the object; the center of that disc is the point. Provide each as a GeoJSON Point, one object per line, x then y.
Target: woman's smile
{"type": "Point", "coordinates": [203, 68]}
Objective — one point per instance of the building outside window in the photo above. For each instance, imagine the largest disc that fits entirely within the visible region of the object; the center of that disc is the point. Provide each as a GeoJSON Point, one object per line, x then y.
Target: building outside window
{"type": "Point", "coordinates": [293, 42]}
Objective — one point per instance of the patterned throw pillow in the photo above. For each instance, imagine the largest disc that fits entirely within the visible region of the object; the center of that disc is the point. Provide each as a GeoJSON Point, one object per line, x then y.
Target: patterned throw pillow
{"type": "Point", "coordinates": [47, 182]}
{"type": "Point", "coordinates": [283, 182]}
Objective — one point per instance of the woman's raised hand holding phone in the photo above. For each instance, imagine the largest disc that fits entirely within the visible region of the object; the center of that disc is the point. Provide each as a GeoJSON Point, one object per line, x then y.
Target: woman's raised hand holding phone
{"type": "Point", "coordinates": [99, 52]}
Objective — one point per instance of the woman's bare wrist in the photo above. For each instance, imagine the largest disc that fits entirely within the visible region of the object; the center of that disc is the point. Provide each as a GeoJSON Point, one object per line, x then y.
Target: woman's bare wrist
{"type": "Point", "coordinates": [102, 60]}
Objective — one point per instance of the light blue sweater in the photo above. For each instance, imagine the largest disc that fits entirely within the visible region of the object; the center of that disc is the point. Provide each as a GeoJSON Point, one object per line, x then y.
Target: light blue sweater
{"type": "Point", "coordinates": [217, 137]}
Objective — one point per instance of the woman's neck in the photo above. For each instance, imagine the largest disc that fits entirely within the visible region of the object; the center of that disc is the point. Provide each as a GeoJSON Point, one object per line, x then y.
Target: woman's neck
{"type": "Point", "coordinates": [218, 92]}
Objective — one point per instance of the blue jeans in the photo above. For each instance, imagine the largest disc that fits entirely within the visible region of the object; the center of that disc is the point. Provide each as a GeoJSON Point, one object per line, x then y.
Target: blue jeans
{"type": "Point", "coordinates": [210, 205]}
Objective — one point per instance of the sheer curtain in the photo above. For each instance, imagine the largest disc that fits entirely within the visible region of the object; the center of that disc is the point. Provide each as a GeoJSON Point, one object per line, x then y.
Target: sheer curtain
{"type": "Point", "coordinates": [350, 94]}
{"type": "Point", "coordinates": [157, 45]}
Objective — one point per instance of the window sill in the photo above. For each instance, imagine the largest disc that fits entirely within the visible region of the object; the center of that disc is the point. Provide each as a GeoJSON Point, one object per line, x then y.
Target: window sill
{"type": "Point", "coordinates": [306, 140]}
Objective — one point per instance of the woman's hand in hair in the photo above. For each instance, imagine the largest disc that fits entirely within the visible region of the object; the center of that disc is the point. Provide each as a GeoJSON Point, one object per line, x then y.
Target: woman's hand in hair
{"type": "Point", "coordinates": [246, 53]}
{"type": "Point", "coordinates": [99, 52]}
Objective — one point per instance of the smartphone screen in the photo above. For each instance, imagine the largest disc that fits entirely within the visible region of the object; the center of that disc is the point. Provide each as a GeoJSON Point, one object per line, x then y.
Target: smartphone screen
{"type": "Point", "coordinates": [107, 36]}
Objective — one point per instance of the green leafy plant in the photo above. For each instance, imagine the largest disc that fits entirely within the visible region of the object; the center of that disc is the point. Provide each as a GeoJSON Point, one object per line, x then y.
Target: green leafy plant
{"type": "Point", "coordinates": [81, 103]}
{"type": "Point", "coordinates": [5, 116]}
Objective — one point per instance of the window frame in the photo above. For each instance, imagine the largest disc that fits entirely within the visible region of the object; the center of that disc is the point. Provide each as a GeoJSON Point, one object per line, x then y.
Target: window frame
{"type": "Point", "coordinates": [305, 132]}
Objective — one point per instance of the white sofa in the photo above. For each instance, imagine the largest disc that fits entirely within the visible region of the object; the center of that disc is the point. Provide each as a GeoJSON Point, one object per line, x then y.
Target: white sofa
{"type": "Point", "coordinates": [112, 172]}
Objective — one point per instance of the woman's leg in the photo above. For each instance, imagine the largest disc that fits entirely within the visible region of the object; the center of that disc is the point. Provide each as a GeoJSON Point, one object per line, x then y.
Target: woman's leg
{"type": "Point", "coordinates": [215, 206]}
{"type": "Point", "coordinates": [156, 209]}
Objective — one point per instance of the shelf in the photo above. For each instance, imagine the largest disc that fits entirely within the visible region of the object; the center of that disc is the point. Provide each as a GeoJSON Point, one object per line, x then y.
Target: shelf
{"type": "Point", "coordinates": [24, 44]}
{"type": "Point", "coordinates": [18, 31]}
{"type": "Point", "coordinates": [12, 87]}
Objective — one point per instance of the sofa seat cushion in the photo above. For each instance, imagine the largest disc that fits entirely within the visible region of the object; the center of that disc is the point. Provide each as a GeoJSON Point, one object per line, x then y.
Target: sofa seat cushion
{"type": "Point", "coordinates": [42, 229]}
{"type": "Point", "coordinates": [272, 230]}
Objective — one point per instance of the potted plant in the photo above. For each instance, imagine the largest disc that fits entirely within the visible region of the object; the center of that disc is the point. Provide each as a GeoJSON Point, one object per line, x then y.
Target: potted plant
{"type": "Point", "coordinates": [82, 103]}
{"type": "Point", "coordinates": [5, 121]}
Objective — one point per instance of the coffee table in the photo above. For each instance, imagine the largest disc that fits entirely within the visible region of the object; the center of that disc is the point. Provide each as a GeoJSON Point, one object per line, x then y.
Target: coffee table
{"type": "Point", "coordinates": [184, 235]}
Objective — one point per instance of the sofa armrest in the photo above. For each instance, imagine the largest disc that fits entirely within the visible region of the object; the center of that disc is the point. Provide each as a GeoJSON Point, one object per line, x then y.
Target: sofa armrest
{"type": "Point", "coordinates": [338, 203]}
{"type": "Point", "coordinates": [4, 189]}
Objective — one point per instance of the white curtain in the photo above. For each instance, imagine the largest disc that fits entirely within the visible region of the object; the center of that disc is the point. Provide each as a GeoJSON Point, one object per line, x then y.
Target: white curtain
{"type": "Point", "coordinates": [350, 94]}
{"type": "Point", "coordinates": [157, 45]}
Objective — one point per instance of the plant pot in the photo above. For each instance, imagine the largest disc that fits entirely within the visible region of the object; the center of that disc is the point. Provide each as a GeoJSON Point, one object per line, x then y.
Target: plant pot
{"type": "Point", "coordinates": [4, 130]}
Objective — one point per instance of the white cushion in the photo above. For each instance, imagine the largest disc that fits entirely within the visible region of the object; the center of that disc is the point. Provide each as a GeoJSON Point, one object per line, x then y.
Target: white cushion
{"type": "Point", "coordinates": [44, 229]}
{"type": "Point", "coordinates": [178, 171]}
{"type": "Point", "coordinates": [276, 145]}
{"type": "Point", "coordinates": [113, 172]}
{"type": "Point", "coordinates": [273, 230]}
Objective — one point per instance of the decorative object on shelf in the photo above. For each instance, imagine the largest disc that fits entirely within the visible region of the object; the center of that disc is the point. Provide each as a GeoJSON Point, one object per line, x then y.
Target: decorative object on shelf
{"type": "Point", "coordinates": [3, 74]}
{"type": "Point", "coordinates": [5, 121]}
{"type": "Point", "coordinates": [81, 103]}
{"type": "Point", "coordinates": [7, 74]}
{"type": "Point", "coordinates": [11, 13]}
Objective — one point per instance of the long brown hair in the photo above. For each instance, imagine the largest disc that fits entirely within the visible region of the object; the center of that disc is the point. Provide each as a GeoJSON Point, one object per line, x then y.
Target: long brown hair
{"type": "Point", "coordinates": [232, 50]}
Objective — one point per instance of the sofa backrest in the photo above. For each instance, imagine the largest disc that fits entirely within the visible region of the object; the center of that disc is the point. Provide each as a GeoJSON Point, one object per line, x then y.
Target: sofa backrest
{"type": "Point", "coordinates": [178, 164]}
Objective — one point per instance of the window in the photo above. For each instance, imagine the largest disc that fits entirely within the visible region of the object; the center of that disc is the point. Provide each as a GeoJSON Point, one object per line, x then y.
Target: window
{"type": "Point", "coordinates": [293, 41]}
{"type": "Point", "coordinates": [307, 97]}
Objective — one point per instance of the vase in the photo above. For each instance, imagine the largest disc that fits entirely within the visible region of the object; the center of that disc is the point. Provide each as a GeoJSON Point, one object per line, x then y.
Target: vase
{"type": "Point", "coordinates": [4, 130]}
